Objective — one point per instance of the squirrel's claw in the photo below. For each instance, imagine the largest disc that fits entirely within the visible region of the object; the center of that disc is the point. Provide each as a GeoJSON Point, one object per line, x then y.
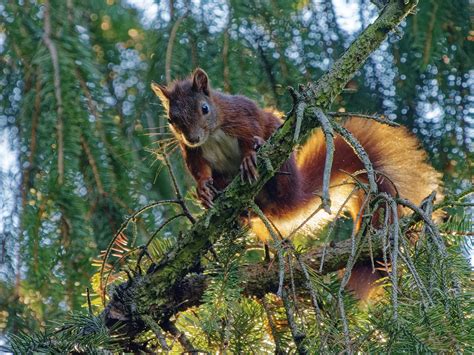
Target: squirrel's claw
{"type": "Point", "coordinates": [213, 189]}
{"type": "Point", "coordinates": [207, 202]}
{"type": "Point", "coordinates": [206, 192]}
{"type": "Point", "coordinates": [248, 168]}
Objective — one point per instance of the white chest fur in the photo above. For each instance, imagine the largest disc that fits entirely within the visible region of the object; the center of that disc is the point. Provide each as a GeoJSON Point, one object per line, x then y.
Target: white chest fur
{"type": "Point", "coordinates": [222, 152]}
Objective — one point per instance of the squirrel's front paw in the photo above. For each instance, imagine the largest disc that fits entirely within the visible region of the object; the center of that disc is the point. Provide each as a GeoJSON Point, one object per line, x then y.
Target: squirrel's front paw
{"type": "Point", "coordinates": [258, 142]}
{"type": "Point", "coordinates": [248, 168]}
{"type": "Point", "coordinates": [206, 192]}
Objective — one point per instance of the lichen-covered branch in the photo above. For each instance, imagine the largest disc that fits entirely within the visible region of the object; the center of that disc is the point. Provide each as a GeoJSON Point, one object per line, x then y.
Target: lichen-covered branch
{"type": "Point", "coordinates": [261, 278]}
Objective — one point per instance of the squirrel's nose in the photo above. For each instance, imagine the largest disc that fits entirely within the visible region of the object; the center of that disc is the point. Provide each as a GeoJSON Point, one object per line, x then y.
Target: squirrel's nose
{"type": "Point", "coordinates": [193, 140]}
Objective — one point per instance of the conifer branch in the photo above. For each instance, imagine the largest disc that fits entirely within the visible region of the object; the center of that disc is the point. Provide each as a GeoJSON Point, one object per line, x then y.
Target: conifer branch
{"type": "Point", "coordinates": [429, 37]}
{"type": "Point", "coordinates": [225, 54]}
{"type": "Point", "coordinates": [93, 164]}
{"type": "Point", "coordinates": [27, 172]}
{"type": "Point", "coordinates": [169, 48]}
{"type": "Point", "coordinates": [57, 88]}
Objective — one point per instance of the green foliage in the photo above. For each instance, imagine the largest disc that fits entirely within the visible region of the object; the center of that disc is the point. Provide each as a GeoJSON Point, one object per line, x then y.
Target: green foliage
{"type": "Point", "coordinates": [440, 323]}
{"type": "Point", "coordinates": [51, 233]}
{"type": "Point", "coordinates": [226, 320]}
{"type": "Point", "coordinates": [78, 333]}
{"type": "Point", "coordinates": [437, 321]}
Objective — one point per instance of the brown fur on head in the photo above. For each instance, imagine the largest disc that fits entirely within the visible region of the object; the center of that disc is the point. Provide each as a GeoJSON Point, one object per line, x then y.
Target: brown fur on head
{"type": "Point", "coordinates": [192, 115]}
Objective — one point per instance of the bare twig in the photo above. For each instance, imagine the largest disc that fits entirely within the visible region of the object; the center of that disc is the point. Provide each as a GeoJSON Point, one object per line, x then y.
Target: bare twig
{"type": "Point", "coordinates": [177, 190]}
{"type": "Point", "coordinates": [377, 118]}
{"type": "Point", "coordinates": [406, 258]}
{"type": "Point", "coordinates": [313, 293]}
{"type": "Point", "coordinates": [333, 223]}
{"type": "Point", "coordinates": [428, 221]}
{"type": "Point", "coordinates": [293, 285]}
{"type": "Point", "coordinates": [393, 274]}
{"type": "Point", "coordinates": [360, 152]}
{"type": "Point", "coordinates": [347, 274]}
{"type": "Point", "coordinates": [428, 206]}
{"type": "Point", "coordinates": [297, 335]}
{"type": "Point", "coordinates": [171, 328]}
{"type": "Point", "coordinates": [329, 136]}
{"type": "Point", "coordinates": [163, 225]}
{"type": "Point", "coordinates": [302, 224]}
{"type": "Point", "coordinates": [277, 243]}
{"type": "Point", "coordinates": [89, 303]}
{"type": "Point", "coordinates": [155, 328]}
{"type": "Point", "coordinates": [273, 329]}
{"type": "Point", "coordinates": [299, 113]}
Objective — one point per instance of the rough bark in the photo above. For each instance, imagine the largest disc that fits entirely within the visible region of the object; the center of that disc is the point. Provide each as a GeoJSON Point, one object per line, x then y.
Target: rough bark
{"type": "Point", "coordinates": [262, 278]}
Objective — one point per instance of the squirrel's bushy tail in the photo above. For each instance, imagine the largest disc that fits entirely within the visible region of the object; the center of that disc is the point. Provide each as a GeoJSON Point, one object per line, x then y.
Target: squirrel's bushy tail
{"type": "Point", "coordinates": [400, 165]}
{"type": "Point", "coordinates": [395, 154]}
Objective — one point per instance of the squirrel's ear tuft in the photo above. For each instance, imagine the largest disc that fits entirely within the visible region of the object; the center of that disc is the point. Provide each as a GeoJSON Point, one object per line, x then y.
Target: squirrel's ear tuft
{"type": "Point", "coordinates": [201, 81]}
{"type": "Point", "coordinates": [162, 92]}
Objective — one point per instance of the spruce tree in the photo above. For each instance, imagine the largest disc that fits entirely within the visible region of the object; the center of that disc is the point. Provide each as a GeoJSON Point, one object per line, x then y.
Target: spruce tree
{"type": "Point", "coordinates": [81, 226]}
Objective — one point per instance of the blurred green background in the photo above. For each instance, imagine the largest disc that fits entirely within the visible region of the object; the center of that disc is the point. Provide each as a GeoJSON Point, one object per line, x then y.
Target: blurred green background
{"type": "Point", "coordinates": [108, 52]}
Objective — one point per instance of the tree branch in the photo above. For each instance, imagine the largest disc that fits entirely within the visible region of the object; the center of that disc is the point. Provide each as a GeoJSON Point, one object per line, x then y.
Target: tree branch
{"type": "Point", "coordinates": [262, 278]}
{"type": "Point", "coordinates": [169, 48]}
{"type": "Point", "coordinates": [57, 88]}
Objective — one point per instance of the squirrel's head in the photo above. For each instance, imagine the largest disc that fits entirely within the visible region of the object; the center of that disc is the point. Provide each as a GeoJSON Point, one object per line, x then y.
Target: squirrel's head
{"type": "Point", "coordinates": [192, 115]}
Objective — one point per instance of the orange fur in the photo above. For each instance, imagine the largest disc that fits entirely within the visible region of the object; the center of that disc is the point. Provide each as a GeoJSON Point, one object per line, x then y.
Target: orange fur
{"type": "Point", "coordinates": [394, 152]}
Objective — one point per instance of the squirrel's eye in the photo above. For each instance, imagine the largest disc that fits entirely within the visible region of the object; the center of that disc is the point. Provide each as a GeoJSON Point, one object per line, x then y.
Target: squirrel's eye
{"type": "Point", "coordinates": [169, 121]}
{"type": "Point", "coordinates": [205, 109]}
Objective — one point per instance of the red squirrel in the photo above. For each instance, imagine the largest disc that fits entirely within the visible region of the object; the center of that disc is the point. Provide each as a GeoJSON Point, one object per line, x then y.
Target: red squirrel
{"type": "Point", "coordinates": [219, 135]}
